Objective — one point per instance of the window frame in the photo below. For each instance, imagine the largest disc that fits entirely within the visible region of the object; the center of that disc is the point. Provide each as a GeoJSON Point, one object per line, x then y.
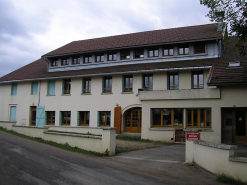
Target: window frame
{"type": "Point", "coordinates": [113, 56]}
{"type": "Point", "coordinates": [198, 47]}
{"type": "Point", "coordinates": [168, 51]}
{"type": "Point", "coordinates": [107, 84]}
{"type": "Point", "coordinates": [34, 85]}
{"type": "Point", "coordinates": [138, 52]}
{"type": "Point", "coordinates": [54, 63]}
{"type": "Point", "coordinates": [67, 118]}
{"type": "Point", "coordinates": [52, 116]}
{"type": "Point", "coordinates": [76, 60]}
{"type": "Point", "coordinates": [152, 53]}
{"type": "Point", "coordinates": [130, 86]}
{"type": "Point", "coordinates": [105, 119]}
{"type": "Point", "coordinates": [66, 86]}
{"type": "Point", "coordinates": [197, 74]}
{"type": "Point", "coordinates": [198, 121]}
{"type": "Point", "coordinates": [101, 56]}
{"type": "Point", "coordinates": [174, 74]}
{"type": "Point", "coordinates": [65, 62]}
{"type": "Point", "coordinates": [87, 59]}
{"type": "Point", "coordinates": [148, 88]}
{"type": "Point", "coordinates": [125, 55]}
{"type": "Point", "coordinates": [86, 85]}
{"type": "Point", "coordinates": [172, 118]}
{"type": "Point", "coordinates": [184, 47]}
{"type": "Point", "coordinates": [14, 87]}
{"type": "Point", "coordinates": [83, 115]}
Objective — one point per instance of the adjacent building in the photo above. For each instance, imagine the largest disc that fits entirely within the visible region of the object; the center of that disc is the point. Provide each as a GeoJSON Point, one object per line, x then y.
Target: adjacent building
{"type": "Point", "coordinates": [158, 83]}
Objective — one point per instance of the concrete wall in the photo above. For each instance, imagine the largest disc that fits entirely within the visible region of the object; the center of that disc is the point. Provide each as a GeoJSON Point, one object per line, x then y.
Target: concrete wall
{"type": "Point", "coordinates": [216, 158]}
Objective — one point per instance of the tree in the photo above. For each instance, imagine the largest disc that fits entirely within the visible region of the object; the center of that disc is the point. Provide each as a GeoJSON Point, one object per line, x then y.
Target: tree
{"type": "Point", "coordinates": [234, 14]}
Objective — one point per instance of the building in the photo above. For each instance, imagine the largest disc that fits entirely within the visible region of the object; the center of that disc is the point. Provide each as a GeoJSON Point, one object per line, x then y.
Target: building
{"type": "Point", "coordinates": [158, 83]}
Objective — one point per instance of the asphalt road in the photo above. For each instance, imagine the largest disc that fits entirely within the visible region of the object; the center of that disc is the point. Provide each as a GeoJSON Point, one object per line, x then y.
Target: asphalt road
{"type": "Point", "coordinates": [26, 162]}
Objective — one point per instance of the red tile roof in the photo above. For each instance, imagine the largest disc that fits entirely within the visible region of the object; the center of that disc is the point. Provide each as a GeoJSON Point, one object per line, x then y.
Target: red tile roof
{"type": "Point", "coordinates": [182, 34]}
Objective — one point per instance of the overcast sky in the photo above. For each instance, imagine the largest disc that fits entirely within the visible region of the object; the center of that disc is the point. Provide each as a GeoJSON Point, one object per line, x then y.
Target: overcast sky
{"type": "Point", "coordinates": [31, 28]}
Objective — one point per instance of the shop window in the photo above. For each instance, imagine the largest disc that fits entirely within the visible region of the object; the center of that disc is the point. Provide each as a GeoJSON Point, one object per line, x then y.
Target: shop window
{"type": "Point", "coordinates": [50, 117]}
{"type": "Point", "coordinates": [197, 80]}
{"type": "Point", "coordinates": [139, 53]}
{"type": "Point", "coordinates": [66, 86]}
{"type": "Point", "coordinates": [104, 118]}
{"type": "Point", "coordinates": [173, 81]}
{"type": "Point", "coordinates": [83, 118]}
{"type": "Point", "coordinates": [147, 82]}
{"type": "Point", "coordinates": [86, 85]}
{"type": "Point", "coordinates": [128, 83]}
{"type": "Point", "coordinates": [198, 118]}
{"type": "Point", "coordinates": [153, 53]}
{"type": "Point", "coordinates": [65, 118]}
{"type": "Point", "coordinates": [167, 117]}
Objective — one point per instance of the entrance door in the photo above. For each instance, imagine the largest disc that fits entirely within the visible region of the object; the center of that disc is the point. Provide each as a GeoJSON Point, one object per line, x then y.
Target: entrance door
{"type": "Point", "coordinates": [240, 126]}
{"type": "Point", "coordinates": [133, 120]}
{"type": "Point", "coordinates": [33, 116]}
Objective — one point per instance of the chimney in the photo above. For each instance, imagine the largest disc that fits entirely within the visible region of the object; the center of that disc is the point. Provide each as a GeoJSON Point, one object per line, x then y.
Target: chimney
{"type": "Point", "coordinates": [220, 17]}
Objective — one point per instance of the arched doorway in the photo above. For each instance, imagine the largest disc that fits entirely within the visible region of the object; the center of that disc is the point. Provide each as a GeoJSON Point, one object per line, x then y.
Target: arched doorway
{"type": "Point", "coordinates": [133, 120]}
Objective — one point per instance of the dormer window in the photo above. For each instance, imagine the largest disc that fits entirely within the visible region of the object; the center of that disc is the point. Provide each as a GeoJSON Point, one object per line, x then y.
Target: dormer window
{"type": "Point", "coordinates": [112, 57]}
{"type": "Point", "coordinates": [88, 59]}
{"type": "Point", "coordinates": [153, 52]}
{"type": "Point", "coordinates": [65, 62]}
{"type": "Point", "coordinates": [139, 53]}
{"type": "Point", "coordinates": [234, 64]}
{"type": "Point", "coordinates": [76, 60]}
{"type": "Point", "coordinates": [168, 51]}
{"type": "Point", "coordinates": [100, 58]}
{"type": "Point", "coordinates": [125, 55]}
{"type": "Point", "coordinates": [54, 63]}
{"type": "Point", "coordinates": [199, 48]}
{"type": "Point", "coordinates": [183, 50]}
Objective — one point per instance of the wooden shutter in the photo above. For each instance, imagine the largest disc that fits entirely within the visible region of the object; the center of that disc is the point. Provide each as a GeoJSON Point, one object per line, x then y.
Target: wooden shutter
{"type": "Point", "coordinates": [117, 119]}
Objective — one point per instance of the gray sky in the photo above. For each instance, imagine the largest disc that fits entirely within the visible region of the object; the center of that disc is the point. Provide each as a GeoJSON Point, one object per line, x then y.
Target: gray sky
{"type": "Point", "coordinates": [31, 28]}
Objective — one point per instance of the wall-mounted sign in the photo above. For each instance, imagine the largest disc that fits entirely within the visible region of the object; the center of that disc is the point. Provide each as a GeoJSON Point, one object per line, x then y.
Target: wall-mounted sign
{"type": "Point", "coordinates": [193, 136]}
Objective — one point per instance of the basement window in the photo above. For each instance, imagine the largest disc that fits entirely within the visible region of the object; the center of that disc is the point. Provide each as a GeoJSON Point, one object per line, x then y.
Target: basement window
{"type": "Point", "coordinates": [234, 64]}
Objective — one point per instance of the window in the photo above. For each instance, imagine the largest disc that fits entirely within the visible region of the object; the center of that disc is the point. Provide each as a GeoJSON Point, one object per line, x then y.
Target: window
{"type": "Point", "coordinates": [13, 113]}
{"type": "Point", "coordinates": [125, 55]}
{"type": "Point", "coordinates": [14, 89]}
{"type": "Point", "coordinates": [54, 63]}
{"type": "Point", "coordinates": [139, 53]}
{"type": "Point", "coordinates": [65, 62]}
{"type": "Point", "coordinates": [76, 60]}
{"type": "Point", "coordinates": [197, 80]}
{"type": "Point", "coordinates": [173, 81]}
{"type": "Point", "coordinates": [107, 84]}
{"type": "Point", "coordinates": [167, 117]}
{"type": "Point", "coordinates": [34, 88]}
{"type": "Point", "coordinates": [51, 87]}
{"type": "Point", "coordinates": [104, 118]}
{"type": "Point", "coordinates": [66, 86]}
{"type": "Point", "coordinates": [88, 59]}
{"type": "Point", "coordinates": [86, 85]}
{"type": "Point", "coordinates": [148, 82]}
{"type": "Point", "coordinates": [128, 83]}
{"type": "Point", "coordinates": [153, 52]}
{"type": "Point", "coordinates": [198, 118]}
{"type": "Point", "coordinates": [65, 118]}
{"type": "Point", "coordinates": [112, 57]}
{"type": "Point", "coordinates": [168, 51]}
{"type": "Point", "coordinates": [183, 50]}
{"type": "Point", "coordinates": [234, 64]}
{"type": "Point", "coordinates": [100, 58]}
{"type": "Point", "coordinates": [199, 48]}
{"type": "Point", "coordinates": [83, 118]}
{"type": "Point", "coordinates": [50, 117]}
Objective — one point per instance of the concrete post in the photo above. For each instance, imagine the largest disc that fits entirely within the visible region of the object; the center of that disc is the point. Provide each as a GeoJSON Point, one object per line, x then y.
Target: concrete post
{"type": "Point", "coordinates": [109, 140]}
{"type": "Point", "coordinates": [189, 151]}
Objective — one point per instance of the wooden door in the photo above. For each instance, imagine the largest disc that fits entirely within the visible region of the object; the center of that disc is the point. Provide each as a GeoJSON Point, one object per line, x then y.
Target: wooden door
{"type": "Point", "coordinates": [133, 121]}
{"type": "Point", "coordinates": [240, 126]}
{"type": "Point", "coordinates": [33, 116]}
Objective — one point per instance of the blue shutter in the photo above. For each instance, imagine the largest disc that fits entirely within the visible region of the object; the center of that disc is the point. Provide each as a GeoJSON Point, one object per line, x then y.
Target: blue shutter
{"type": "Point", "coordinates": [60, 118]}
{"type": "Point", "coordinates": [82, 86]}
{"type": "Point", "coordinates": [98, 117]}
{"type": "Point", "coordinates": [14, 88]}
{"type": "Point", "coordinates": [35, 88]}
{"type": "Point", "coordinates": [40, 116]}
{"type": "Point", "coordinates": [13, 113]}
{"type": "Point", "coordinates": [123, 79]}
{"type": "Point", "coordinates": [51, 90]}
{"type": "Point", "coordinates": [45, 122]}
{"type": "Point", "coordinates": [78, 118]}
{"type": "Point", "coordinates": [110, 118]}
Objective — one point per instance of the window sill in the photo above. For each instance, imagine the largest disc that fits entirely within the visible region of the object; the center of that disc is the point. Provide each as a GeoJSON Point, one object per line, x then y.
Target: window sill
{"type": "Point", "coordinates": [106, 93]}
{"type": "Point", "coordinates": [104, 126]}
{"type": "Point", "coordinates": [161, 129]}
{"type": "Point", "coordinates": [86, 94]}
{"type": "Point", "coordinates": [65, 125]}
{"type": "Point", "coordinates": [83, 125]}
{"type": "Point", "coordinates": [66, 95]}
{"type": "Point", "coordinates": [50, 95]}
{"type": "Point", "coordinates": [198, 130]}
{"type": "Point", "coordinates": [127, 92]}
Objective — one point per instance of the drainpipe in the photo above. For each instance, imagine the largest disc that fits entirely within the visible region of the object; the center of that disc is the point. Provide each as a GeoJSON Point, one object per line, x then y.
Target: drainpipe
{"type": "Point", "coordinates": [39, 91]}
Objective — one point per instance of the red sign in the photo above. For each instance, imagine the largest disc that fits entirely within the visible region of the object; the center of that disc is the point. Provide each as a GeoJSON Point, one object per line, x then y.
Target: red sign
{"type": "Point", "coordinates": [193, 136]}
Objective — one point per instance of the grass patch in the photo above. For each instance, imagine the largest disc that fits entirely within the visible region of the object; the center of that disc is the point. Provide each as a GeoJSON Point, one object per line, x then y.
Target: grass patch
{"type": "Point", "coordinates": [64, 146]}
{"type": "Point", "coordinates": [227, 179]}
{"type": "Point", "coordinates": [126, 138]}
{"type": "Point", "coordinates": [88, 133]}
